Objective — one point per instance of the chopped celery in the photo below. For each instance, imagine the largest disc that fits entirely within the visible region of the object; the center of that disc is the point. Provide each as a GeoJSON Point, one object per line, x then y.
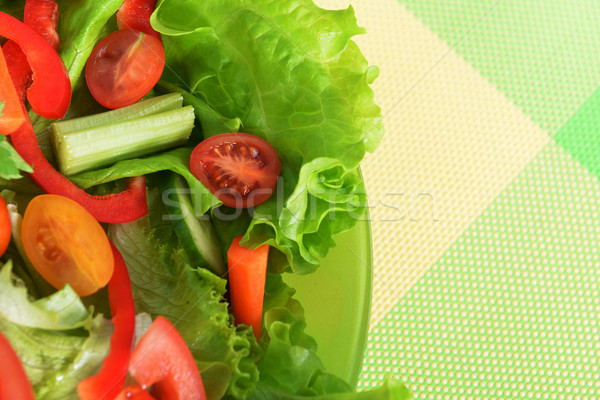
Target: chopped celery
{"type": "Point", "coordinates": [150, 106]}
{"type": "Point", "coordinates": [99, 146]}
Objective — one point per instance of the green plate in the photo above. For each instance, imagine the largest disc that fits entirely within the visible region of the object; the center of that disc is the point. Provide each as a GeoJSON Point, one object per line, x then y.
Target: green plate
{"type": "Point", "coordinates": [337, 302]}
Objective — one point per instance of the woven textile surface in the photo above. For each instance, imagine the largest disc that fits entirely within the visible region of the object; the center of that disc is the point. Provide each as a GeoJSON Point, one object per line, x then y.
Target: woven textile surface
{"type": "Point", "coordinates": [485, 197]}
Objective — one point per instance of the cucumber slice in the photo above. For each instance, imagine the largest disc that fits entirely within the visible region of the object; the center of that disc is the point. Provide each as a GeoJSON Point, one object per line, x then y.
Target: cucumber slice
{"type": "Point", "coordinates": [196, 235]}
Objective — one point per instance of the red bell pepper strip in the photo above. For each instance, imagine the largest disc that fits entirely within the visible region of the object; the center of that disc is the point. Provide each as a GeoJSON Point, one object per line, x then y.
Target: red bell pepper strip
{"type": "Point", "coordinates": [12, 115]}
{"type": "Point", "coordinates": [135, 15]}
{"type": "Point", "coordinates": [13, 380]}
{"type": "Point", "coordinates": [18, 68]}
{"type": "Point", "coordinates": [126, 206]}
{"type": "Point", "coordinates": [5, 227]}
{"type": "Point", "coordinates": [42, 17]}
{"type": "Point", "coordinates": [163, 359]}
{"type": "Point", "coordinates": [108, 382]}
{"type": "Point", "coordinates": [247, 275]}
{"type": "Point", "coordinates": [50, 92]}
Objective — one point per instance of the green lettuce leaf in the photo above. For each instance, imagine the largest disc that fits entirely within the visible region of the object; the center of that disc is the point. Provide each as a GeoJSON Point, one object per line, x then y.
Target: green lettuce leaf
{"type": "Point", "coordinates": [192, 299]}
{"type": "Point", "coordinates": [56, 362]}
{"type": "Point", "coordinates": [56, 338]}
{"type": "Point", "coordinates": [286, 68]}
{"type": "Point", "coordinates": [12, 163]}
{"type": "Point", "coordinates": [328, 199]}
{"type": "Point", "coordinates": [62, 310]}
{"type": "Point", "coordinates": [289, 72]}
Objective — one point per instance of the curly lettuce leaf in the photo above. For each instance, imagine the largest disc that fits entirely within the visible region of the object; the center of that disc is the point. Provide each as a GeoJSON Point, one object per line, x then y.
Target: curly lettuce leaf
{"type": "Point", "coordinates": [328, 199]}
{"type": "Point", "coordinates": [56, 338]}
{"type": "Point", "coordinates": [62, 310]}
{"type": "Point", "coordinates": [192, 299]}
{"type": "Point", "coordinates": [56, 362]}
{"type": "Point", "coordinates": [286, 68]}
{"type": "Point", "coordinates": [12, 164]}
{"type": "Point", "coordinates": [292, 75]}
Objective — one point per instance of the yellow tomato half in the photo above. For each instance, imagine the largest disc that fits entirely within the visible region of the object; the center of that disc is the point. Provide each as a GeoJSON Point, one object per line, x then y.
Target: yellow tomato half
{"type": "Point", "coordinates": [66, 244]}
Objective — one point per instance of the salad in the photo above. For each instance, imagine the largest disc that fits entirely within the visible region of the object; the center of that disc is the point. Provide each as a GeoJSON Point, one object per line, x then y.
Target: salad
{"type": "Point", "coordinates": [283, 77]}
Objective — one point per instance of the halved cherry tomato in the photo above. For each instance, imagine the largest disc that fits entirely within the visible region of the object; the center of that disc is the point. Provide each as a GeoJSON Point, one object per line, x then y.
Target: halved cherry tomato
{"type": "Point", "coordinates": [5, 227]}
{"type": "Point", "coordinates": [13, 380]}
{"type": "Point", "coordinates": [66, 244]}
{"type": "Point", "coordinates": [163, 359]}
{"type": "Point", "coordinates": [239, 168]}
{"type": "Point", "coordinates": [124, 67]}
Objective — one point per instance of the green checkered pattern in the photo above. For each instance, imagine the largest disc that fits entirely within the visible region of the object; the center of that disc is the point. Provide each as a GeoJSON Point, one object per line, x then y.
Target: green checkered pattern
{"type": "Point", "coordinates": [512, 308]}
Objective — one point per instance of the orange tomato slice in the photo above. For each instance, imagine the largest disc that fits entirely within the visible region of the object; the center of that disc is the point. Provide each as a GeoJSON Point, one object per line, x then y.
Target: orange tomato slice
{"type": "Point", "coordinates": [66, 245]}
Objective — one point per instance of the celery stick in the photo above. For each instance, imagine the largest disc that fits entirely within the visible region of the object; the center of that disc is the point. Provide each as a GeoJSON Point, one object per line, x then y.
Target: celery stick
{"type": "Point", "coordinates": [150, 106]}
{"type": "Point", "coordinates": [97, 147]}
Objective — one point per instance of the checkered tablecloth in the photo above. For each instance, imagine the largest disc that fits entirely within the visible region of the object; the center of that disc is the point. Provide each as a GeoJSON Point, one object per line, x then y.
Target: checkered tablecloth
{"type": "Point", "coordinates": [485, 197]}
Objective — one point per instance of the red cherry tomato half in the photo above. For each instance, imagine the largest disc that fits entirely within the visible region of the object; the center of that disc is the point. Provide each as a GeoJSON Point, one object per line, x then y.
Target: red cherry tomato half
{"type": "Point", "coordinates": [124, 67]}
{"type": "Point", "coordinates": [239, 168]}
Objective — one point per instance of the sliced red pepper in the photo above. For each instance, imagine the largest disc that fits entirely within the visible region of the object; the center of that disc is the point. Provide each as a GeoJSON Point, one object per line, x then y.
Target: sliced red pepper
{"type": "Point", "coordinates": [13, 380]}
{"type": "Point", "coordinates": [18, 68]}
{"type": "Point", "coordinates": [5, 227]}
{"type": "Point", "coordinates": [50, 92]}
{"type": "Point", "coordinates": [126, 206]}
{"type": "Point", "coordinates": [247, 276]}
{"type": "Point", "coordinates": [42, 17]}
{"type": "Point", "coordinates": [12, 115]}
{"type": "Point", "coordinates": [134, 392]}
{"type": "Point", "coordinates": [108, 382]}
{"type": "Point", "coordinates": [135, 15]}
{"type": "Point", "coordinates": [163, 359]}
